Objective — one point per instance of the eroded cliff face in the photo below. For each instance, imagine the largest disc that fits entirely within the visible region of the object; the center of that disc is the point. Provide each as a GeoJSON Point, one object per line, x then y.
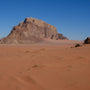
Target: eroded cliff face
{"type": "Point", "coordinates": [31, 30]}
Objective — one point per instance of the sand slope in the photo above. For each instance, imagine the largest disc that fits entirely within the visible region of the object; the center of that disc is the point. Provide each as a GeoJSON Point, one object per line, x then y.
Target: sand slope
{"type": "Point", "coordinates": [45, 67]}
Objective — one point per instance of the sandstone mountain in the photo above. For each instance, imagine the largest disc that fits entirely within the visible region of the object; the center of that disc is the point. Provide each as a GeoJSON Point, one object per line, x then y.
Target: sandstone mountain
{"type": "Point", "coordinates": [31, 30]}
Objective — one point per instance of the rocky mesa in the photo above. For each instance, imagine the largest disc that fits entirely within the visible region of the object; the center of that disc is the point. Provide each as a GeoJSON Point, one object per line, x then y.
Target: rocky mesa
{"type": "Point", "coordinates": [31, 30]}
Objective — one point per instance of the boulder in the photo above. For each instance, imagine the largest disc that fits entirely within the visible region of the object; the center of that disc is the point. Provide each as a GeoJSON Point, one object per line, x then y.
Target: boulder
{"type": "Point", "coordinates": [87, 41]}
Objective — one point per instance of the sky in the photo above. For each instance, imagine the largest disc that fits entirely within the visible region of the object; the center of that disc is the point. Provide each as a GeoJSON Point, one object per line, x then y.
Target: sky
{"type": "Point", "coordinates": [70, 17]}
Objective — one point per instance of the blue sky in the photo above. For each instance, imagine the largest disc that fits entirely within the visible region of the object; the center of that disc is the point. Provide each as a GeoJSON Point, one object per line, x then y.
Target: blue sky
{"type": "Point", "coordinates": [71, 17]}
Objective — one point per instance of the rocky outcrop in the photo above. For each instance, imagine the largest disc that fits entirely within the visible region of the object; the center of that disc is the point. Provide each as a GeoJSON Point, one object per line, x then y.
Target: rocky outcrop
{"type": "Point", "coordinates": [31, 30]}
{"type": "Point", "coordinates": [58, 36]}
{"type": "Point", "coordinates": [87, 41]}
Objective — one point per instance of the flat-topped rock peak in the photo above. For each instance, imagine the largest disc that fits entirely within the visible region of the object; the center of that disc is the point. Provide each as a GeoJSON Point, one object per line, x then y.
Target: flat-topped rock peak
{"type": "Point", "coordinates": [35, 22]}
{"type": "Point", "coordinates": [31, 30]}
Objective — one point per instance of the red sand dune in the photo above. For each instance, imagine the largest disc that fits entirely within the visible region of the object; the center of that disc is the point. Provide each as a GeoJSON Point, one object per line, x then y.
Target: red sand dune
{"type": "Point", "coordinates": [47, 66]}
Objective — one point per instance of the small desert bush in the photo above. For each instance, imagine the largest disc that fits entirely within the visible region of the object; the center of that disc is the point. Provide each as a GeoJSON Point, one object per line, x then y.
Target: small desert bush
{"type": "Point", "coordinates": [34, 66]}
{"type": "Point", "coordinates": [77, 45]}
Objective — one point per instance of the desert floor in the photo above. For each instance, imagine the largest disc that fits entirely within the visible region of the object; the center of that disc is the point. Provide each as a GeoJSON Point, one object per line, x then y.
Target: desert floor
{"type": "Point", "coordinates": [47, 66]}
